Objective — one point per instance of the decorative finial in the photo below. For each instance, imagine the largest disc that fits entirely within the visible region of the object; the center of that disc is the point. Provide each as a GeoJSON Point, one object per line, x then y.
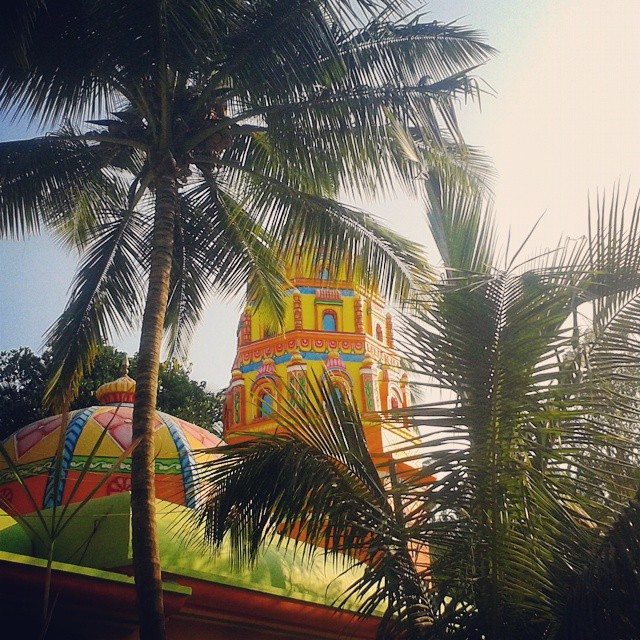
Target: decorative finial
{"type": "Point", "coordinates": [296, 359]}
{"type": "Point", "coordinates": [124, 367]}
{"type": "Point", "coordinates": [267, 368]}
{"type": "Point", "coordinates": [122, 390]}
{"type": "Point", "coordinates": [334, 361]}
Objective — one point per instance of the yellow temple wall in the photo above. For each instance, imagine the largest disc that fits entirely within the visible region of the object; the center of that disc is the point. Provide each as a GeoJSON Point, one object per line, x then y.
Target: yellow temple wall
{"type": "Point", "coordinates": [312, 315]}
{"type": "Point", "coordinates": [315, 369]}
{"type": "Point", "coordinates": [360, 351]}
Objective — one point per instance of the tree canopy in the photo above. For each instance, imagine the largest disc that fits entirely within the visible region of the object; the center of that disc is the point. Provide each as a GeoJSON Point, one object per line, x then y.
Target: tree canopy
{"type": "Point", "coordinates": [525, 460]}
{"type": "Point", "coordinates": [199, 142]}
{"type": "Point", "coordinates": [24, 376]}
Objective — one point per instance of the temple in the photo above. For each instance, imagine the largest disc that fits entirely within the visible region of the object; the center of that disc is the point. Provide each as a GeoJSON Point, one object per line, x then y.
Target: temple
{"type": "Point", "coordinates": [331, 327]}
{"type": "Point", "coordinates": [65, 487]}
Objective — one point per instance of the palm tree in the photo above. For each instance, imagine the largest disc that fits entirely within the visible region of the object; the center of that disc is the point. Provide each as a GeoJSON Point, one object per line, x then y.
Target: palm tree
{"type": "Point", "coordinates": [515, 503]}
{"type": "Point", "coordinates": [527, 538]}
{"type": "Point", "coordinates": [220, 132]}
{"type": "Point", "coordinates": [317, 483]}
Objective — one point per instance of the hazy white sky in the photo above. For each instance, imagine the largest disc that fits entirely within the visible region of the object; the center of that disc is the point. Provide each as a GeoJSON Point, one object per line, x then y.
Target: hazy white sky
{"type": "Point", "coordinates": [565, 121]}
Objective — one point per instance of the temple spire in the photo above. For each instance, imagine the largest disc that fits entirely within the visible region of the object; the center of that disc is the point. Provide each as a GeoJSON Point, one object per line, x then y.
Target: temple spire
{"type": "Point", "coordinates": [124, 367]}
{"type": "Point", "coordinates": [333, 327]}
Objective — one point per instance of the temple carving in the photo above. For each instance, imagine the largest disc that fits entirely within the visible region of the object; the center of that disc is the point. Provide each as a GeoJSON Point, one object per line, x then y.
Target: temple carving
{"type": "Point", "coordinates": [332, 327]}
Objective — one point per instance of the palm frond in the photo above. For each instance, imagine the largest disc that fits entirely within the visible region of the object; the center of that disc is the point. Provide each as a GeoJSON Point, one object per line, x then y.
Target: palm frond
{"type": "Point", "coordinates": [517, 496]}
{"type": "Point", "coordinates": [218, 249]}
{"type": "Point", "coordinates": [271, 47]}
{"type": "Point", "coordinates": [326, 107]}
{"type": "Point", "coordinates": [602, 599]}
{"type": "Point", "coordinates": [42, 179]}
{"type": "Point", "coordinates": [327, 229]}
{"type": "Point", "coordinates": [189, 286]}
{"type": "Point", "coordinates": [54, 75]}
{"type": "Point", "coordinates": [77, 58]}
{"type": "Point", "coordinates": [614, 260]}
{"type": "Point", "coordinates": [461, 223]}
{"type": "Point", "coordinates": [411, 50]}
{"type": "Point", "coordinates": [106, 297]}
{"type": "Point", "coordinates": [224, 250]}
{"type": "Point", "coordinates": [343, 135]}
{"type": "Point", "coordinates": [317, 483]}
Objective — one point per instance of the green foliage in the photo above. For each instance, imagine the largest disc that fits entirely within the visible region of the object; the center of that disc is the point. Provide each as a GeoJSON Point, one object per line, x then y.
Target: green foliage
{"type": "Point", "coordinates": [24, 378]}
{"type": "Point", "coordinates": [603, 598]}
{"type": "Point", "coordinates": [317, 482]}
{"type": "Point", "coordinates": [518, 505]}
{"type": "Point", "coordinates": [530, 441]}
{"type": "Point", "coordinates": [263, 112]}
{"type": "Point", "coordinates": [251, 116]}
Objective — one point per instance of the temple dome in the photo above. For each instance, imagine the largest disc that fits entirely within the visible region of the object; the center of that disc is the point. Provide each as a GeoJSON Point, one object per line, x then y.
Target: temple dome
{"type": "Point", "coordinates": [94, 439]}
{"type": "Point", "coordinates": [121, 390]}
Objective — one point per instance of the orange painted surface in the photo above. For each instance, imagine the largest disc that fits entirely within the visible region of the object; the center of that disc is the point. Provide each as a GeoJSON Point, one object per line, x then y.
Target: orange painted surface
{"type": "Point", "coordinates": [271, 614]}
{"type": "Point", "coordinates": [16, 499]}
{"type": "Point", "coordinates": [90, 608]}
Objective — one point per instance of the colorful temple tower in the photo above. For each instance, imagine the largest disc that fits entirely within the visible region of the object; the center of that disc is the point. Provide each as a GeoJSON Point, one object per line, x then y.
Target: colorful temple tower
{"type": "Point", "coordinates": [331, 327]}
{"type": "Point", "coordinates": [66, 475]}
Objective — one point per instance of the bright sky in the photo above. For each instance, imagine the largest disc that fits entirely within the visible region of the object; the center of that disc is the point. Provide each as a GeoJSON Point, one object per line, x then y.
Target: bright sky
{"type": "Point", "coordinates": [564, 122]}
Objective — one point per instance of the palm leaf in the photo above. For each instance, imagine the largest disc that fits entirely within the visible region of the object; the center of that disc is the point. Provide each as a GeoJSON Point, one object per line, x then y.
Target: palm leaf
{"type": "Point", "coordinates": [517, 502]}
{"type": "Point", "coordinates": [106, 297]}
{"type": "Point", "coordinates": [461, 224]}
{"type": "Point", "coordinates": [221, 249]}
{"type": "Point", "coordinates": [601, 600]}
{"type": "Point", "coordinates": [44, 178]}
{"type": "Point", "coordinates": [374, 255]}
{"type": "Point", "coordinates": [317, 483]}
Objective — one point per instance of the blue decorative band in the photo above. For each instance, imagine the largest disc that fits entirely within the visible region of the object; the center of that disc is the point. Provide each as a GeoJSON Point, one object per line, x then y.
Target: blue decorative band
{"type": "Point", "coordinates": [345, 293]}
{"type": "Point", "coordinates": [187, 461]}
{"type": "Point", "coordinates": [306, 355]}
{"type": "Point", "coordinates": [53, 494]}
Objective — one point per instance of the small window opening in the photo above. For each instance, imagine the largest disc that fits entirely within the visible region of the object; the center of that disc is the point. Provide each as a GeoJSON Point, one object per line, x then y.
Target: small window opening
{"type": "Point", "coordinates": [265, 404]}
{"type": "Point", "coordinates": [329, 321]}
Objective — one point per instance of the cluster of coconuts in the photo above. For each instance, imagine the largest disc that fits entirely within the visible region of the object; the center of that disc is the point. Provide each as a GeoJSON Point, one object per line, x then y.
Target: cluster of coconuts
{"type": "Point", "coordinates": [188, 120]}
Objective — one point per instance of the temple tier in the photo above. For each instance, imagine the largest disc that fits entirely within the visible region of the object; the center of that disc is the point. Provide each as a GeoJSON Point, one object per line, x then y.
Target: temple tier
{"type": "Point", "coordinates": [332, 327]}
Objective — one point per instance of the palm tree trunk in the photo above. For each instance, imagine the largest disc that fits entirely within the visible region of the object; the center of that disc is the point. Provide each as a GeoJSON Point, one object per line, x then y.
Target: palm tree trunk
{"type": "Point", "coordinates": [146, 556]}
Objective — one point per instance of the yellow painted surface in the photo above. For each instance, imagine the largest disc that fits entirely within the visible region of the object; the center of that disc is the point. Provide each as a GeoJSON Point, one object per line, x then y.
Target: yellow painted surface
{"type": "Point", "coordinates": [164, 445]}
{"type": "Point", "coordinates": [263, 362]}
{"type": "Point", "coordinates": [90, 435]}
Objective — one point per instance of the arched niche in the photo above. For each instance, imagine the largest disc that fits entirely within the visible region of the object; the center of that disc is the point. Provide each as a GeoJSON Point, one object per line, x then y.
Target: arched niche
{"type": "Point", "coordinates": [329, 321]}
{"type": "Point", "coordinates": [265, 394]}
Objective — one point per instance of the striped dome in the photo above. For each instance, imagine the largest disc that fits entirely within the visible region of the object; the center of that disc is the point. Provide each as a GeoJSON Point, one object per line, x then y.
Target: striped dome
{"type": "Point", "coordinates": [94, 439]}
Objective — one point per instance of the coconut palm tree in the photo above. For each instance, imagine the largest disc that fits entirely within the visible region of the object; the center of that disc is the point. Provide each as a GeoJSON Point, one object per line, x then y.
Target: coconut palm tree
{"type": "Point", "coordinates": [527, 537]}
{"type": "Point", "coordinates": [219, 131]}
